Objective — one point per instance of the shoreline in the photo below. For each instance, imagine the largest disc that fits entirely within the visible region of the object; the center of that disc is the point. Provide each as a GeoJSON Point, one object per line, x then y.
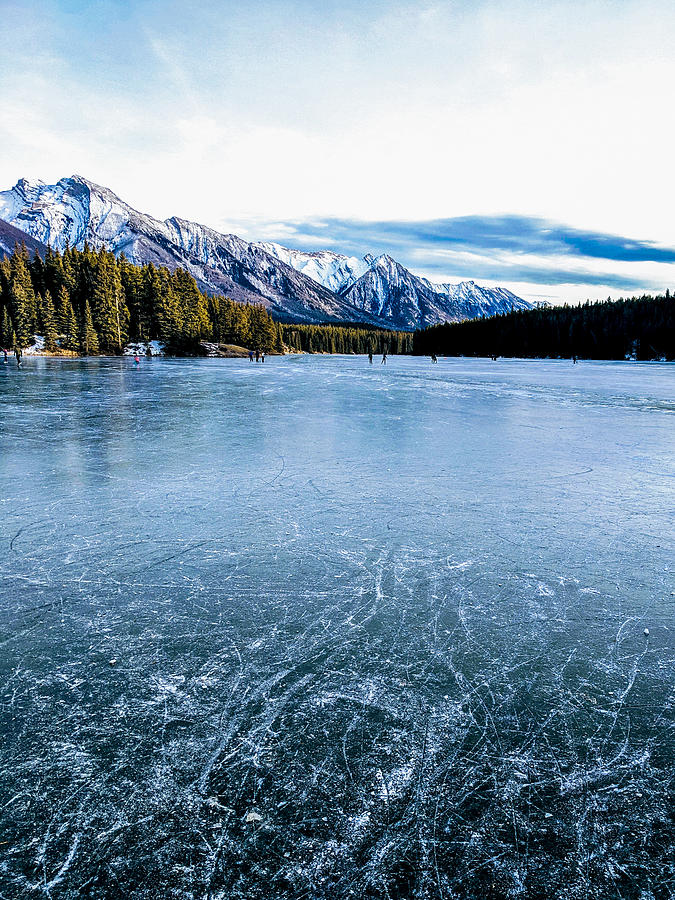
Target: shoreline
{"type": "Point", "coordinates": [71, 355]}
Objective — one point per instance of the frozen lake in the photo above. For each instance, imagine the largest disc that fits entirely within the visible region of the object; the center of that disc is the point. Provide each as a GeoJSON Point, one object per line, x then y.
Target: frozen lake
{"type": "Point", "coordinates": [320, 629]}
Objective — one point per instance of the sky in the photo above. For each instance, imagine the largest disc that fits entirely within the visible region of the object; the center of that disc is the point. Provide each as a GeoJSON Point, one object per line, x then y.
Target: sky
{"type": "Point", "coordinates": [520, 143]}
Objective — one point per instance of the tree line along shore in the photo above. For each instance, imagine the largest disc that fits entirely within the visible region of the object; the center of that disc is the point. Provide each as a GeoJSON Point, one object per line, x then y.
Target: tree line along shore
{"type": "Point", "coordinates": [90, 302]}
{"type": "Point", "coordinates": [641, 328]}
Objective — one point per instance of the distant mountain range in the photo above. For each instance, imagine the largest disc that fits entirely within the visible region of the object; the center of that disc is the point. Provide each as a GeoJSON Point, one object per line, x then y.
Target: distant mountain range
{"type": "Point", "coordinates": [294, 285]}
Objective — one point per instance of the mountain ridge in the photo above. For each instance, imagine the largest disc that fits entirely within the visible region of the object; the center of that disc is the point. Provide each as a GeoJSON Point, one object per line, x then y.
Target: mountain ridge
{"type": "Point", "coordinates": [295, 285]}
{"type": "Point", "coordinates": [11, 236]}
{"type": "Point", "coordinates": [383, 286]}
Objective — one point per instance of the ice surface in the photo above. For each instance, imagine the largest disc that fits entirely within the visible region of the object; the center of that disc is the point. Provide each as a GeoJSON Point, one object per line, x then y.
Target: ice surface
{"type": "Point", "coordinates": [324, 629]}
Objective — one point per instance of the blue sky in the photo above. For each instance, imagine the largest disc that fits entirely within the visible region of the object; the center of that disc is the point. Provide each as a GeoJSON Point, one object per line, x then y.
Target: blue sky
{"type": "Point", "coordinates": [520, 143]}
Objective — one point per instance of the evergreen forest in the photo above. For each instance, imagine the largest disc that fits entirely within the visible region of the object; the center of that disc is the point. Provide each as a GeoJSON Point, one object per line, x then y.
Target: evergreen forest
{"type": "Point", "coordinates": [345, 339]}
{"type": "Point", "coordinates": [88, 301]}
{"type": "Point", "coordinates": [638, 328]}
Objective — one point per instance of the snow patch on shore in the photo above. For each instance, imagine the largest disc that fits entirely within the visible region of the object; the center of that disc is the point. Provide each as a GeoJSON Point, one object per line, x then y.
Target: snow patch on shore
{"type": "Point", "coordinates": [37, 348]}
{"type": "Point", "coordinates": [145, 348]}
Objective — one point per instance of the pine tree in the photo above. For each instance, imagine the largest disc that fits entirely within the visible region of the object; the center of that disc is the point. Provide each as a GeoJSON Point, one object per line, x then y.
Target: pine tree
{"type": "Point", "coordinates": [110, 312]}
{"type": "Point", "coordinates": [133, 286]}
{"type": "Point", "coordinates": [167, 309]}
{"type": "Point", "coordinates": [237, 324]}
{"type": "Point", "coordinates": [153, 283]}
{"type": "Point", "coordinates": [193, 309]}
{"type": "Point", "coordinates": [49, 323]}
{"type": "Point", "coordinates": [37, 271]}
{"type": "Point", "coordinates": [63, 310]}
{"type": "Point", "coordinates": [22, 303]}
{"type": "Point", "coordinates": [215, 318]}
{"type": "Point", "coordinates": [68, 271]}
{"type": "Point", "coordinates": [7, 336]}
{"type": "Point", "coordinates": [88, 337]}
{"type": "Point", "coordinates": [263, 332]}
{"type": "Point", "coordinates": [71, 331]}
{"type": "Point", "coordinates": [53, 273]}
{"type": "Point", "coordinates": [19, 306]}
{"type": "Point", "coordinates": [279, 340]}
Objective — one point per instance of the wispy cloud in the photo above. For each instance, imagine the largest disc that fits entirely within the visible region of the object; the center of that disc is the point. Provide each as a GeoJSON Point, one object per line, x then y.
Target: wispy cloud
{"type": "Point", "coordinates": [367, 123]}
{"type": "Point", "coordinates": [498, 248]}
{"type": "Point", "coordinates": [518, 234]}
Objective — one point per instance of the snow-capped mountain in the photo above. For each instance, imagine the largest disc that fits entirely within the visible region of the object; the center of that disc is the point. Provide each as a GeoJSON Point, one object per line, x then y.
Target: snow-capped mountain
{"type": "Point", "coordinates": [332, 270]}
{"type": "Point", "coordinates": [470, 300]}
{"type": "Point", "coordinates": [295, 285]}
{"type": "Point", "coordinates": [397, 294]}
{"type": "Point", "coordinates": [75, 210]}
{"type": "Point", "coordinates": [382, 287]}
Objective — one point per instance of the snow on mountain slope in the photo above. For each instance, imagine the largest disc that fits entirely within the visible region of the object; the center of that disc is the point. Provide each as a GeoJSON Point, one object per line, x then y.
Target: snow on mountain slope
{"type": "Point", "coordinates": [332, 270]}
{"type": "Point", "coordinates": [468, 300]}
{"type": "Point", "coordinates": [295, 285]}
{"type": "Point", "coordinates": [68, 212]}
{"type": "Point", "coordinates": [384, 288]}
{"type": "Point", "coordinates": [11, 236]}
{"type": "Point", "coordinates": [389, 290]}
{"type": "Point", "coordinates": [75, 210]}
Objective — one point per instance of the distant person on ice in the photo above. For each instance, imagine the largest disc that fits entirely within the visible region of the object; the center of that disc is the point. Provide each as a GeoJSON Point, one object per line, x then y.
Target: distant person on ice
{"type": "Point", "coordinates": [262, 356]}
{"type": "Point", "coordinates": [17, 353]}
{"type": "Point", "coordinates": [384, 358]}
{"type": "Point", "coordinates": [250, 355]}
{"type": "Point", "coordinates": [257, 355]}
{"type": "Point", "coordinates": [370, 357]}
{"type": "Point", "coordinates": [5, 352]}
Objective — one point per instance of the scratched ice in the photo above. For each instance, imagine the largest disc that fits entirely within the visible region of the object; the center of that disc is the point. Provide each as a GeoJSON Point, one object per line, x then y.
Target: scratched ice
{"type": "Point", "coordinates": [322, 629]}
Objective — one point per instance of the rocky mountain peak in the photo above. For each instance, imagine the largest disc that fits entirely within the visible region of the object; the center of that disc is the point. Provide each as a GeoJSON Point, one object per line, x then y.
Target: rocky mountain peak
{"type": "Point", "coordinates": [296, 285]}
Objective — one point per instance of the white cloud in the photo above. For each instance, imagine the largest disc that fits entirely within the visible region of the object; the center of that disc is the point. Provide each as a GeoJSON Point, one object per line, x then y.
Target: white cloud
{"type": "Point", "coordinates": [398, 110]}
